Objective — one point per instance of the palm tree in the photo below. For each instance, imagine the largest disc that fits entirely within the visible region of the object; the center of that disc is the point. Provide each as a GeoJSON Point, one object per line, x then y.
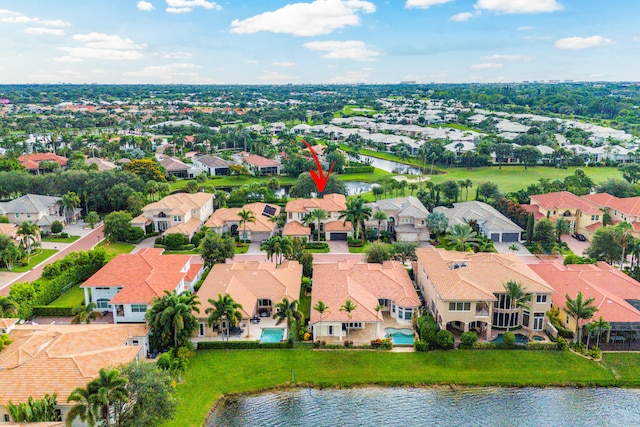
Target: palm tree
{"type": "Point", "coordinates": [462, 237]}
{"type": "Point", "coordinates": [92, 218]}
{"type": "Point", "coordinates": [110, 388]}
{"type": "Point", "coordinates": [624, 236]}
{"type": "Point", "coordinates": [172, 314]}
{"type": "Point", "coordinates": [11, 254]}
{"type": "Point", "coordinates": [224, 308]}
{"type": "Point", "coordinates": [598, 326]}
{"type": "Point", "coordinates": [288, 310]}
{"type": "Point", "coordinates": [29, 232]}
{"type": "Point", "coordinates": [562, 226]}
{"type": "Point", "coordinates": [514, 247]}
{"type": "Point", "coordinates": [84, 408]}
{"type": "Point", "coordinates": [348, 306]}
{"type": "Point", "coordinates": [518, 297]}
{"type": "Point", "coordinates": [317, 215]}
{"type": "Point", "coordinates": [412, 187]}
{"type": "Point", "coordinates": [378, 308]}
{"type": "Point", "coordinates": [467, 184]}
{"type": "Point", "coordinates": [320, 307]}
{"type": "Point", "coordinates": [357, 213]}
{"type": "Point", "coordinates": [380, 216]}
{"type": "Point", "coordinates": [7, 306]}
{"type": "Point", "coordinates": [579, 309]}
{"type": "Point", "coordinates": [245, 217]}
{"type": "Point", "coordinates": [70, 202]}
{"type": "Point", "coordinates": [269, 246]}
{"type": "Point", "coordinates": [151, 188]}
{"type": "Point", "coordinates": [85, 313]}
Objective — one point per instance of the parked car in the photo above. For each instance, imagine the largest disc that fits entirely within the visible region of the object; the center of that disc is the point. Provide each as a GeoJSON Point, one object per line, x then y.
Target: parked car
{"type": "Point", "coordinates": [580, 237]}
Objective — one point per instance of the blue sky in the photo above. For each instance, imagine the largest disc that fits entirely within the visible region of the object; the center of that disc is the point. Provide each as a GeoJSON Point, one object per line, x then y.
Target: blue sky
{"type": "Point", "coordinates": [317, 41]}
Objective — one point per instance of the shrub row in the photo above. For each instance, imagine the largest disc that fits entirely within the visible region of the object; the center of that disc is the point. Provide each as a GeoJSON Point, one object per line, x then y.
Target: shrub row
{"type": "Point", "coordinates": [242, 345]}
{"type": "Point", "coordinates": [188, 247]}
{"type": "Point", "coordinates": [316, 245]}
{"type": "Point", "coordinates": [355, 243]}
{"type": "Point", "coordinates": [47, 311]}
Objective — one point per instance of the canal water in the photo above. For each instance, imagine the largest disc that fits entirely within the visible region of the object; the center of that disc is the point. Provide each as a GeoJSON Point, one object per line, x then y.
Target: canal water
{"type": "Point", "coordinates": [439, 406]}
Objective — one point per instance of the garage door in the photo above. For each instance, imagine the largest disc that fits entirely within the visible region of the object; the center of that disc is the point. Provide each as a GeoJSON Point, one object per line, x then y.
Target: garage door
{"type": "Point", "coordinates": [338, 236]}
{"type": "Point", "coordinates": [510, 237]}
{"type": "Point", "coordinates": [495, 237]}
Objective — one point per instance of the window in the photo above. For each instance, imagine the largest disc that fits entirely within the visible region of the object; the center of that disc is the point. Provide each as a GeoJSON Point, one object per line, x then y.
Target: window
{"type": "Point", "coordinates": [102, 303]}
{"type": "Point", "coordinates": [177, 218]}
{"type": "Point", "coordinates": [135, 342]}
{"type": "Point", "coordinates": [28, 215]}
{"type": "Point", "coordinates": [330, 333]}
{"type": "Point", "coordinates": [541, 299]}
{"type": "Point", "coordinates": [459, 306]}
{"type": "Point", "coordinates": [6, 418]}
{"type": "Point", "coordinates": [595, 217]}
{"type": "Point", "coordinates": [17, 215]}
{"type": "Point", "coordinates": [138, 308]}
{"type": "Point", "coordinates": [566, 321]}
{"type": "Point", "coordinates": [264, 303]}
{"type": "Point", "coordinates": [201, 329]}
{"type": "Point", "coordinates": [354, 325]}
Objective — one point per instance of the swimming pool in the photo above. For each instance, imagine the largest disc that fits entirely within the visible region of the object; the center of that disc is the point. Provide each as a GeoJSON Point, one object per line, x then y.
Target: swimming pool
{"type": "Point", "coordinates": [520, 339]}
{"type": "Point", "coordinates": [272, 335]}
{"type": "Point", "coordinates": [538, 338]}
{"type": "Point", "coordinates": [400, 336]}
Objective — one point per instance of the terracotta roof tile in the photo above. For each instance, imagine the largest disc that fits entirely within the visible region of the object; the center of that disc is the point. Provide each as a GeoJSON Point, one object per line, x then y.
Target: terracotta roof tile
{"type": "Point", "coordinates": [262, 224]}
{"type": "Point", "coordinates": [32, 161]}
{"type": "Point", "coordinates": [338, 226]}
{"type": "Point", "coordinates": [295, 228]}
{"type": "Point", "coordinates": [564, 200]}
{"type": "Point", "coordinates": [627, 205]}
{"type": "Point", "coordinates": [329, 203]}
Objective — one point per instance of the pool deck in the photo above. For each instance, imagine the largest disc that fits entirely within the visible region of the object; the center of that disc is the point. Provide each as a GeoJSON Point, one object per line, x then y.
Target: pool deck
{"type": "Point", "coordinates": [252, 331]}
{"type": "Point", "coordinates": [369, 333]}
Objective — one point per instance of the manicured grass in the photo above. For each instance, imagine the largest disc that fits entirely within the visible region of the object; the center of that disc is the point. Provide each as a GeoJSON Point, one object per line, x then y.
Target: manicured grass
{"type": "Point", "coordinates": [360, 250]}
{"type": "Point", "coordinates": [304, 305]}
{"type": "Point", "coordinates": [36, 258]}
{"type": "Point", "coordinates": [213, 373]}
{"type": "Point", "coordinates": [241, 249]}
{"type": "Point", "coordinates": [56, 239]}
{"type": "Point", "coordinates": [73, 298]}
{"type": "Point", "coordinates": [365, 177]}
{"type": "Point", "coordinates": [625, 366]}
{"type": "Point", "coordinates": [191, 252]}
{"type": "Point", "coordinates": [116, 248]}
{"type": "Point", "coordinates": [319, 251]}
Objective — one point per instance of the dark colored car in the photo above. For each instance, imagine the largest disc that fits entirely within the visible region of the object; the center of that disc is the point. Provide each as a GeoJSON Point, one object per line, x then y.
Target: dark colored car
{"type": "Point", "coordinates": [580, 237]}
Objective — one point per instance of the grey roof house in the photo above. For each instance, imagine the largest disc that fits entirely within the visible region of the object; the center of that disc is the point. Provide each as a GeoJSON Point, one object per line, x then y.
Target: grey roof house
{"type": "Point", "coordinates": [42, 210]}
{"type": "Point", "coordinates": [493, 225]}
{"type": "Point", "coordinates": [406, 218]}
{"type": "Point", "coordinates": [214, 165]}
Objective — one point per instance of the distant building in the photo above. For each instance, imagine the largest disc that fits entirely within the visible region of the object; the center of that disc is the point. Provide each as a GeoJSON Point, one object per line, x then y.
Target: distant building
{"type": "Point", "coordinates": [214, 165]}
{"type": "Point", "coordinates": [32, 161]}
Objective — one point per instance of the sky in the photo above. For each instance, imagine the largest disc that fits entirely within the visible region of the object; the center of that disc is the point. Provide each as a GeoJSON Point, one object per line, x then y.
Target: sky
{"type": "Point", "coordinates": [318, 41]}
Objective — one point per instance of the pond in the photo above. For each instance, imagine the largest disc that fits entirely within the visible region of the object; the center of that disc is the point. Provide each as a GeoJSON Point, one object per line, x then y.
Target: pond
{"type": "Point", "coordinates": [388, 165]}
{"type": "Point", "coordinates": [352, 187]}
{"type": "Point", "coordinates": [441, 406]}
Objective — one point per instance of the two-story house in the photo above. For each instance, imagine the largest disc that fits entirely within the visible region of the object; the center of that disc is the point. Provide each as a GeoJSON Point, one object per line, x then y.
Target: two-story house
{"type": "Point", "coordinates": [492, 224]}
{"type": "Point", "coordinates": [41, 210]}
{"type": "Point", "coordinates": [226, 220]}
{"type": "Point", "coordinates": [466, 291]}
{"type": "Point", "coordinates": [583, 215]}
{"type": "Point", "coordinates": [182, 213]}
{"type": "Point", "coordinates": [332, 227]}
{"type": "Point", "coordinates": [32, 162]}
{"type": "Point", "coordinates": [128, 284]}
{"type": "Point", "coordinates": [406, 217]}
{"type": "Point", "coordinates": [625, 209]}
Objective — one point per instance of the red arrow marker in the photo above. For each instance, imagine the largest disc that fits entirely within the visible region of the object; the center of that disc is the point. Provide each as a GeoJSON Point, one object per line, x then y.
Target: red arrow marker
{"type": "Point", "coordinates": [318, 177]}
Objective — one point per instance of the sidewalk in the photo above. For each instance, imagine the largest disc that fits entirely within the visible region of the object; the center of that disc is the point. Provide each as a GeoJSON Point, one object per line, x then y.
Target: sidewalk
{"type": "Point", "coordinates": [85, 243]}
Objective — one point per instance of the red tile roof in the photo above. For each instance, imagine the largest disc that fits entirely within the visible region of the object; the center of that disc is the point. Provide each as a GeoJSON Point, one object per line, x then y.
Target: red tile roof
{"type": "Point", "coordinates": [609, 286]}
{"type": "Point", "coordinates": [32, 161]}
{"type": "Point", "coordinates": [259, 161]}
{"type": "Point", "coordinates": [537, 215]}
{"type": "Point", "coordinates": [142, 276]}
{"type": "Point", "coordinates": [338, 226]}
{"type": "Point", "coordinates": [628, 205]}
{"type": "Point", "coordinates": [564, 200]}
{"type": "Point", "coordinates": [329, 203]}
{"type": "Point", "coordinates": [295, 228]}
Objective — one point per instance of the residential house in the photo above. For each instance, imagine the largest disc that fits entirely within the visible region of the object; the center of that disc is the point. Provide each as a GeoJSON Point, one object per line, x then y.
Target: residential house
{"type": "Point", "coordinates": [182, 213]}
{"type": "Point", "coordinates": [295, 229]}
{"type": "Point", "coordinates": [465, 291]}
{"type": "Point", "coordinates": [583, 215]}
{"type": "Point", "coordinates": [615, 294]}
{"type": "Point", "coordinates": [493, 225]}
{"type": "Point", "coordinates": [214, 165]}
{"type": "Point", "coordinates": [178, 168]}
{"type": "Point", "coordinates": [277, 128]}
{"type": "Point", "coordinates": [32, 161]}
{"type": "Point", "coordinates": [257, 286]}
{"type": "Point", "coordinates": [128, 284]}
{"type": "Point", "coordinates": [406, 217]}
{"type": "Point", "coordinates": [619, 209]}
{"type": "Point", "coordinates": [332, 227]}
{"type": "Point", "coordinates": [56, 359]}
{"type": "Point", "coordinates": [226, 220]}
{"type": "Point", "coordinates": [41, 210]}
{"type": "Point", "coordinates": [259, 165]}
{"type": "Point", "coordinates": [367, 286]}
{"type": "Point", "coordinates": [101, 164]}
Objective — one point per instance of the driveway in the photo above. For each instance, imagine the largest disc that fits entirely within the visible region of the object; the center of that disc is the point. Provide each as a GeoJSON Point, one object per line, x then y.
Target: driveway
{"type": "Point", "coordinates": [146, 243]}
{"type": "Point", "coordinates": [503, 248]}
{"type": "Point", "coordinates": [88, 241]}
{"type": "Point", "coordinates": [338, 247]}
{"type": "Point", "coordinates": [576, 245]}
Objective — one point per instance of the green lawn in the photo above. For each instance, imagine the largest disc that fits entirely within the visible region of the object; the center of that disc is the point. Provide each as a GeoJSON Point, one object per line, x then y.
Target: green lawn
{"type": "Point", "coordinates": [191, 252]}
{"type": "Point", "coordinates": [214, 373]}
{"type": "Point", "coordinates": [365, 177]}
{"type": "Point", "coordinates": [117, 248]}
{"type": "Point", "coordinates": [360, 250]}
{"type": "Point", "coordinates": [241, 249]}
{"type": "Point", "coordinates": [625, 366]}
{"type": "Point", "coordinates": [74, 297]}
{"type": "Point", "coordinates": [36, 258]}
{"type": "Point", "coordinates": [56, 239]}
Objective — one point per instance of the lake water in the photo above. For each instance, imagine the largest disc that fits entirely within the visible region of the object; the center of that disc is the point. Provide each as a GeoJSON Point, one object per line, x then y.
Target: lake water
{"type": "Point", "coordinates": [352, 187]}
{"type": "Point", "coordinates": [440, 406]}
{"type": "Point", "coordinates": [390, 166]}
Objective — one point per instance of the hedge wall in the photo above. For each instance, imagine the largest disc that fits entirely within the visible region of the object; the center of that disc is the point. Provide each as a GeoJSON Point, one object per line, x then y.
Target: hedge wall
{"type": "Point", "coordinates": [47, 311]}
{"type": "Point", "coordinates": [359, 169]}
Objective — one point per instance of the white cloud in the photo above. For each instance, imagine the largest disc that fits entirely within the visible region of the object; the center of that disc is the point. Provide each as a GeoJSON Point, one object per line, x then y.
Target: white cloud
{"type": "Point", "coordinates": [177, 55]}
{"type": "Point", "coordinates": [582, 42]}
{"type": "Point", "coordinates": [519, 6]}
{"type": "Point", "coordinates": [306, 19]}
{"type": "Point", "coordinates": [38, 31]}
{"type": "Point", "coordinates": [635, 39]}
{"type": "Point", "coordinates": [102, 46]}
{"type": "Point", "coordinates": [252, 61]}
{"type": "Point", "coordinates": [67, 58]}
{"type": "Point", "coordinates": [12, 17]}
{"type": "Point", "coordinates": [486, 66]}
{"type": "Point", "coordinates": [145, 6]}
{"type": "Point", "coordinates": [502, 57]}
{"type": "Point", "coordinates": [461, 17]}
{"type": "Point", "coordinates": [351, 77]}
{"type": "Point", "coordinates": [424, 4]}
{"type": "Point", "coordinates": [184, 6]}
{"type": "Point", "coordinates": [276, 77]}
{"type": "Point", "coordinates": [54, 23]}
{"type": "Point", "coordinates": [284, 64]}
{"type": "Point", "coordinates": [525, 28]}
{"type": "Point", "coordinates": [349, 49]}
{"type": "Point", "coordinates": [18, 19]}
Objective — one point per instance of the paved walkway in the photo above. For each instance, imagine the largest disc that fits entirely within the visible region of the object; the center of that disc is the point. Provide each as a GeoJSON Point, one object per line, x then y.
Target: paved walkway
{"type": "Point", "coordinates": [338, 247]}
{"type": "Point", "coordinates": [146, 243]}
{"type": "Point", "coordinates": [85, 243]}
{"type": "Point", "coordinates": [575, 245]}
